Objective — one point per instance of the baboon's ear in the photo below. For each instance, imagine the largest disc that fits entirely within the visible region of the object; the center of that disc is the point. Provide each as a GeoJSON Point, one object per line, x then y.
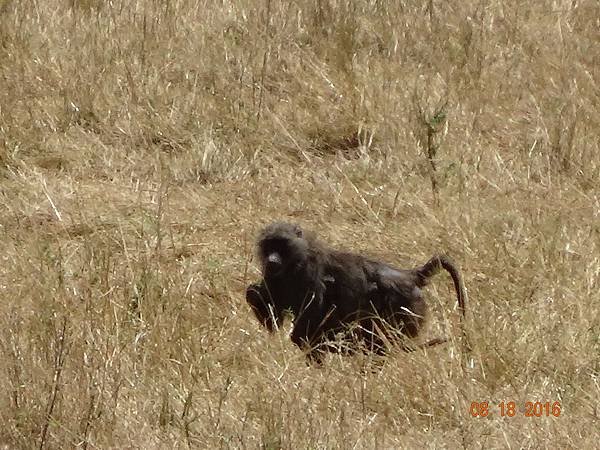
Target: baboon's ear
{"type": "Point", "coordinates": [298, 231]}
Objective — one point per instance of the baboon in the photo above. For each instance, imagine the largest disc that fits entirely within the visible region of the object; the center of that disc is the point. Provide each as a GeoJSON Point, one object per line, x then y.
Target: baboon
{"type": "Point", "coordinates": [338, 297]}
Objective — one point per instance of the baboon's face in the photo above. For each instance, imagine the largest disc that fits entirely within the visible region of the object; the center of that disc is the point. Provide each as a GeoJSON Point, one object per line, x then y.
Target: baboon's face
{"type": "Point", "coordinates": [282, 248]}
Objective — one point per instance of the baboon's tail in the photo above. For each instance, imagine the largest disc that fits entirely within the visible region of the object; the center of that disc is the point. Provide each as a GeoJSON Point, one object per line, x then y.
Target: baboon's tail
{"type": "Point", "coordinates": [433, 266]}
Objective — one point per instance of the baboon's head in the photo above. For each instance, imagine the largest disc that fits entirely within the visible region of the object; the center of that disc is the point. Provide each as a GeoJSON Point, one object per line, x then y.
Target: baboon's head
{"type": "Point", "coordinates": [282, 248]}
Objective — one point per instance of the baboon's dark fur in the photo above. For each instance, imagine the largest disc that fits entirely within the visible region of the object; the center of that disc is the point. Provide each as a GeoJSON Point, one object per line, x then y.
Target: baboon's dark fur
{"type": "Point", "coordinates": [331, 292]}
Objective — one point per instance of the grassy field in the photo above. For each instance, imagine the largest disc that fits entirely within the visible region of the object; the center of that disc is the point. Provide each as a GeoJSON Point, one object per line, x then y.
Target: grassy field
{"type": "Point", "coordinates": [144, 143]}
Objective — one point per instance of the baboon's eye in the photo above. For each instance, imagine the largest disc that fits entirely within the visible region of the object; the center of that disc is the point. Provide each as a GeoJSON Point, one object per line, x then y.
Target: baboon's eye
{"type": "Point", "coordinates": [283, 251]}
{"type": "Point", "coordinates": [279, 247]}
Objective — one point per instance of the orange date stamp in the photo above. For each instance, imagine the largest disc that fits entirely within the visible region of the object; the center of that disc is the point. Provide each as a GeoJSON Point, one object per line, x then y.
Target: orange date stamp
{"type": "Point", "coordinates": [510, 409]}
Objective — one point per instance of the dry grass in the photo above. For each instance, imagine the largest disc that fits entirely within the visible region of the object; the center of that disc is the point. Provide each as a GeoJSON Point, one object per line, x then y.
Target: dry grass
{"type": "Point", "coordinates": [143, 143]}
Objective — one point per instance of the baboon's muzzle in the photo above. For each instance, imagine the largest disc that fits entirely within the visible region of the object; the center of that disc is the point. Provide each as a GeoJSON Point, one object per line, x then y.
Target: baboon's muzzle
{"type": "Point", "coordinates": [273, 264]}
